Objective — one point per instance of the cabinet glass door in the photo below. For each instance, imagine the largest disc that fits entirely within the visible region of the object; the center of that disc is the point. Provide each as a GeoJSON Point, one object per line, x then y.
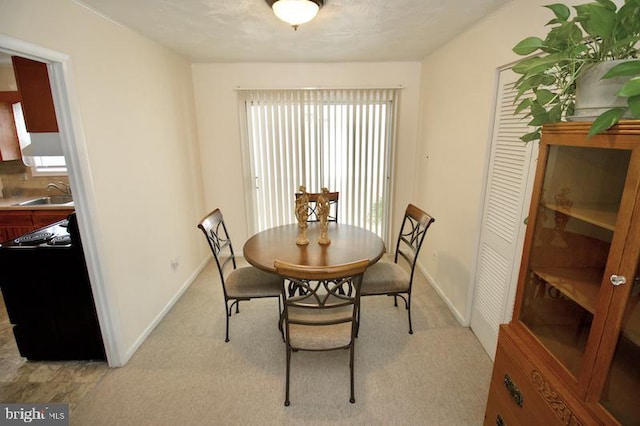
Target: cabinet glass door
{"type": "Point", "coordinates": [574, 227]}
{"type": "Point", "coordinates": [620, 395]}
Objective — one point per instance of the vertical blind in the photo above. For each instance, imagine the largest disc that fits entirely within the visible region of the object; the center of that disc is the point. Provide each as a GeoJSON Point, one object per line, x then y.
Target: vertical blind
{"type": "Point", "coordinates": [341, 139]}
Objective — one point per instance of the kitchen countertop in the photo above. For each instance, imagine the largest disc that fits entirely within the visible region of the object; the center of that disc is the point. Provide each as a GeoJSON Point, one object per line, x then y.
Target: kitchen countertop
{"type": "Point", "coordinates": [7, 204]}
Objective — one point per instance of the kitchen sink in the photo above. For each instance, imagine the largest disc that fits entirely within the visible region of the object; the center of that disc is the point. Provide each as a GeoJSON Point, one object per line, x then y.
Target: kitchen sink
{"type": "Point", "coordinates": [51, 200]}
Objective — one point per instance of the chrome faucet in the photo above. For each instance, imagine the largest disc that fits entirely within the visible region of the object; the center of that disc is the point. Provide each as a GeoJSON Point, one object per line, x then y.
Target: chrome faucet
{"type": "Point", "coordinates": [61, 186]}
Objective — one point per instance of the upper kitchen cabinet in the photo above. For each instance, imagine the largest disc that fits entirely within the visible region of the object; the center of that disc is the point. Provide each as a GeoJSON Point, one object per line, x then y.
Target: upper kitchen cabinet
{"type": "Point", "coordinates": [32, 79]}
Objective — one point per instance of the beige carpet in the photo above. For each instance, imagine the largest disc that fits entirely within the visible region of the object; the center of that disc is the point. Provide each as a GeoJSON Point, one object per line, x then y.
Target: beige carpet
{"type": "Point", "coordinates": [186, 374]}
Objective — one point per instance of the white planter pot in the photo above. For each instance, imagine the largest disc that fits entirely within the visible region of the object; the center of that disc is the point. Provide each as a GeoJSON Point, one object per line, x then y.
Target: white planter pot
{"type": "Point", "coordinates": [594, 95]}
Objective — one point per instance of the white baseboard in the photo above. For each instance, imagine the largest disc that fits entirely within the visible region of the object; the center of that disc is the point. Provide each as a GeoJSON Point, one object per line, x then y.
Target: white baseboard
{"type": "Point", "coordinates": [461, 318]}
{"type": "Point", "coordinates": [140, 340]}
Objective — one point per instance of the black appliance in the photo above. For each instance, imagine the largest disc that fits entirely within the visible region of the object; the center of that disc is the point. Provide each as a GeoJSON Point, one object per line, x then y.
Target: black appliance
{"type": "Point", "coordinates": [46, 290]}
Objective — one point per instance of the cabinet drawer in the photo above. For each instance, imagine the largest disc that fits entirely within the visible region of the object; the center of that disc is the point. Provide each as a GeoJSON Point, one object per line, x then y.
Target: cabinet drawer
{"type": "Point", "coordinates": [15, 218]}
{"type": "Point", "coordinates": [11, 232]}
{"type": "Point", "coordinates": [520, 394]}
{"type": "Point", "coordinates": [512, 397]}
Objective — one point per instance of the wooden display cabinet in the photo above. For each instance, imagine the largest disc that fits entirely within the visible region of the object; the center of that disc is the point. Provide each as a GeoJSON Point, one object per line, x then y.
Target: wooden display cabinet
{"type": "Point", "coordinates": [571, 354]}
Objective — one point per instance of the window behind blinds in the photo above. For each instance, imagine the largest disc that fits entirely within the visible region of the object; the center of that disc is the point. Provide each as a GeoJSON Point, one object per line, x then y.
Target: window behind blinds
{"type": "Point", "coordinates": [341, 139]}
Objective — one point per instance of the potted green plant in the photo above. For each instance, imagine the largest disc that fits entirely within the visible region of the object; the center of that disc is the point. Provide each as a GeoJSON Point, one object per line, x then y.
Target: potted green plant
{"type": "Point", "coordinates": [597, 33]}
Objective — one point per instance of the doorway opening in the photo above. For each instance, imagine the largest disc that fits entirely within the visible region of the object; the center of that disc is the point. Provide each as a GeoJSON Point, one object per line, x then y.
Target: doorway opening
{"type": "Point", "coordinates": [74, 150]}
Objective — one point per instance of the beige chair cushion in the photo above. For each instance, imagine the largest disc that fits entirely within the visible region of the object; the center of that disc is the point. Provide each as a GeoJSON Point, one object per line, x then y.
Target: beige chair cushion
{"type": "Point", "coordinates": [253, 282]}
{"type": "Point", "coordinates": [319, 337]}
{"type": "Point", "coordinates": [383, 278]}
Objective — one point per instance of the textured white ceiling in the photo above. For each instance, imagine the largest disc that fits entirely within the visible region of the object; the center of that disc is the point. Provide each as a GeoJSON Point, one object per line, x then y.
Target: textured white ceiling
{"type": "Point", "coordinates": [343, 31]}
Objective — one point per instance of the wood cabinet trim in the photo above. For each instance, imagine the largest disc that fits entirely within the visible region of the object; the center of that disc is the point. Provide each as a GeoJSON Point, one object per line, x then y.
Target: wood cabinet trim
{"type": "Point", "coordinates": [553, 399]}
{"type": "Point", "coordinates": [11, 97]}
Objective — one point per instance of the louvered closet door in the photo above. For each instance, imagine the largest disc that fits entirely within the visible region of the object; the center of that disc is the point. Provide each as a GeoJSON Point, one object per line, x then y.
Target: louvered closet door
{"type": "Point", "coordinates": [506, 204]}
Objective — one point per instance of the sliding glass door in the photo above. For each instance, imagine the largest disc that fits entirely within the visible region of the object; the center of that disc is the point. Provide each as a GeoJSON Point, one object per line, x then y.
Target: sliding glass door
{"type": "Point", "coordinates": [339, 139]}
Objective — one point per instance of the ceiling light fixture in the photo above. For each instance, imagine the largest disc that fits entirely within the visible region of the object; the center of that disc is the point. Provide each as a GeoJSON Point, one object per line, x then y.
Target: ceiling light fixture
{"type": "Point", "coordinates": [295, 12]}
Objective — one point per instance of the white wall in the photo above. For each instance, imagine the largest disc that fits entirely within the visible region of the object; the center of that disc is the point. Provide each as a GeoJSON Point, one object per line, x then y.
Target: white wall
{"type": "Point", "coordinates": [457, 100]}
{"type": "Point", "coordinates": [138, 138]}
{"type": "Point", "coordinates": [219, 132]}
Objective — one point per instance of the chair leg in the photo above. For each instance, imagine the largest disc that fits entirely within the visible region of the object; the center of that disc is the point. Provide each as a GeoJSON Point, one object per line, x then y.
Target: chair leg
{"type": "Point", "coordinates": [286, 395]}
{"type": "Point", "coordinates": [281, 326]}
{"type": "Point", "coordinates": [280, 318]}
{"type": "Point", "coordinates": [352, 399]}
{"type": "Point", "coordinates": [227, 312]}
{"type": "Point", "coordinates": [409, 313]}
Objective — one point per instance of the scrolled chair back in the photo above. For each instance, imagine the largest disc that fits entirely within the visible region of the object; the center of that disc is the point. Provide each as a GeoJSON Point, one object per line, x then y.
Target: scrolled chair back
{"type": "Point", "coordinates": [332, 198]}
{"type": "Point", "coordinates": [321, 313]}
{"type": "Point", "coordinates": [219, 241]}
{"type": "Point", "coordinates": [322, 287]}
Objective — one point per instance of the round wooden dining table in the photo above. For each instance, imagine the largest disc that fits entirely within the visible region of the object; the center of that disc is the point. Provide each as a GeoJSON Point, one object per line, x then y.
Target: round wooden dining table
{"type": "Point", "coordinates": [348, 244]}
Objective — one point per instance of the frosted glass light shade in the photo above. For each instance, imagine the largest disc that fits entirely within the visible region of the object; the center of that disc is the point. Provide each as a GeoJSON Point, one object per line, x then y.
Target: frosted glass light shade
{"type": "Point", "coordinates": [295, 12]}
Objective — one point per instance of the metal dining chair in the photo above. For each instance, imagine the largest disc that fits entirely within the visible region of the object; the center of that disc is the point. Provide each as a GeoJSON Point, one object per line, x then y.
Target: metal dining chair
{"type": "Point", "coordinates": [323, 316]}
{"type": "Point", "coordinates": [332, 197]}
{"type": "Point", "coordinates": [390, 278]}
{"type": "Point", "coordinates": [238, 284]}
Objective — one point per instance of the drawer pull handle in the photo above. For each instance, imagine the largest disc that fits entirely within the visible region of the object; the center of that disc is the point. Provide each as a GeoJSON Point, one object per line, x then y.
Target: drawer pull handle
{"type": "Point", "coordinates": [499, 421]}
{"type": "Point", "coordinates": [513, 390]}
